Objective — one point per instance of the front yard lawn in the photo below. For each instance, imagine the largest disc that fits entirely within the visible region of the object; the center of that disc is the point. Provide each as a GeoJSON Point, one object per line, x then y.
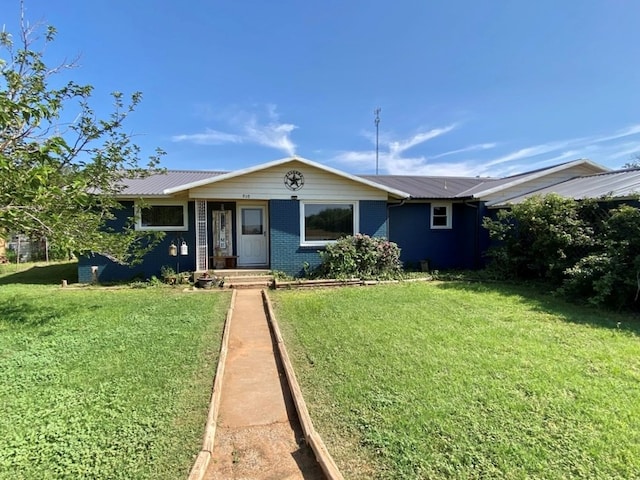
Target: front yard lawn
{"type": "Point", "coordinates": [105, 383]}
{"type": "Point", "coordinates": [456, 380]}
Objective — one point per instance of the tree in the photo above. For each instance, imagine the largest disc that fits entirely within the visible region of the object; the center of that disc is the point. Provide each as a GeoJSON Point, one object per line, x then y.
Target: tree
{"type": "Point", "coordinates": [635, 163]}
{"type": "Point", "coordinates": [60, 179]}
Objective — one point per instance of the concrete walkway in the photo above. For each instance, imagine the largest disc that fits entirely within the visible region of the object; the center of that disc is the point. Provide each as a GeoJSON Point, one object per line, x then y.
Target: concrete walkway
{"type": "Point", "coordinates": [258, 435]}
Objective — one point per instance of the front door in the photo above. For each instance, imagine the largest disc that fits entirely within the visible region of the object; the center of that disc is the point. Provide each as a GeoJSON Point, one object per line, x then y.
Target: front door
{"type": "Point", "coordinates": [252, 236]}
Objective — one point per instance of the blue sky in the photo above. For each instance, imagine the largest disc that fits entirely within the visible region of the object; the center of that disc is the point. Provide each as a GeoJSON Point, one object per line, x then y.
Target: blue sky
{"type": "Point", "coordinates": [464, 87]}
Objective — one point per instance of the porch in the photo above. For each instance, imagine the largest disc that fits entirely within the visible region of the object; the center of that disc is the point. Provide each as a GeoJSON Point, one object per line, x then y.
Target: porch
{"type": "Point", "coordinates": [231, 235]}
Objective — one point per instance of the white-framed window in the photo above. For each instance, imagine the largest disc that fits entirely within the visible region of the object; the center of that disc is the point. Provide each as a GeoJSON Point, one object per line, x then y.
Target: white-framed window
{"type": "Point", "coordinates": [324, 222]}
{"type": "Point", "coordinates": [167, 216]}
{"type": "Point", "coordinates": [441, 215]}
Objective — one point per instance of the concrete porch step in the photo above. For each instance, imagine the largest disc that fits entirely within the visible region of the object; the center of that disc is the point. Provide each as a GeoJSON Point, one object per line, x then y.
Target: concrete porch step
{"type": "Point", "coordinates": [243, 278]}
{"type": "Point", "coordinates": [241, 272]}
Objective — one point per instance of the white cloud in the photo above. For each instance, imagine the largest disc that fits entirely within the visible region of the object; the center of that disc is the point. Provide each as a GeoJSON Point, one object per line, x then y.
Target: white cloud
{"type": "Point", "coordinates": [470, 148]}
{"type": "Point", "coordinates": [398, 147]}
{"type": "Point", "coordinates": [598, 146]}
{"type": "Point", "coordinates": [626, 151]}
{"type": "Point", "coordinates": [273, 134]}
{"type": "Point", "coordinates": [249, 128]}
{"type": "Point", "coordinates": [625, 132]}
{"type": "Point", "coordinates": [605, 148]}
{"type": "Point", "coordinates": [362, 158]}
{"type": "Point", "coordinates": [390, 155]}
{"type": "Point", "coordinates": [208, 137]}
{"type": "Point", "coordinates": [527, 152]}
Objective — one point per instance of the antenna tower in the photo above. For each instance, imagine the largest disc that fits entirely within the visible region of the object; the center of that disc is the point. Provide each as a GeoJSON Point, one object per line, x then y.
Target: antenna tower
{"type": "Point", "coordinates": [377, 122]}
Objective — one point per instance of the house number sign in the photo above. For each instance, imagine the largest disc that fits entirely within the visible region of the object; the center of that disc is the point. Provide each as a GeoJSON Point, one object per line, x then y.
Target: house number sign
{"type": "Point", "coordinates": [294, 180]}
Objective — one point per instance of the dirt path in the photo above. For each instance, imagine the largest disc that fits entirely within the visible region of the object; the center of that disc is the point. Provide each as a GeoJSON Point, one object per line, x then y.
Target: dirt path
{"type": "Point", "coordinates": [258, 435]}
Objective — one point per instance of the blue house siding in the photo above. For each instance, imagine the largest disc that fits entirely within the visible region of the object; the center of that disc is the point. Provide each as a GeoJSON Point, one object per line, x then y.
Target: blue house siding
{"type": "Point", "coordinates": [373, 218]}
{"type": "Point", "coordinates": [284, 218]}
{"type": "Point", "coordinates": [109, 271]}
{"type": "Point", "coordinates": [457, 247]}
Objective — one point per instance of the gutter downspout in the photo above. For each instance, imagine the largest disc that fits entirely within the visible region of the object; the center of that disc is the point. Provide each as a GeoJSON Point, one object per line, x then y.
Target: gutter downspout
{"type": "Point", "coordinates": [389, 207]}
{"type": "Point", "coordinates": [476, 235]}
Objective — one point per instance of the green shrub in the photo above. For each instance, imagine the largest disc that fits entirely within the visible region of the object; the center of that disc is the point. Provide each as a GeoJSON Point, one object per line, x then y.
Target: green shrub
{"type": "Point", "coordinates": [590, 249]}
{"type": "Point", "coordinates": [611, 274]}
{"type": "Point", "coordinates": [360, 256]}
{"type": "Point", "coordinates": [539, 238]}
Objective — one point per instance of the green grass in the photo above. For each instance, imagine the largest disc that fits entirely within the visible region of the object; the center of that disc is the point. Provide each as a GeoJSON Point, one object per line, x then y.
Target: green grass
{"type": "Point", "coordinates": [104, 383]}
{"type": "Point", "coordinates": [454, 380]}
{"type": "Point", "coordinates": [38, 273]}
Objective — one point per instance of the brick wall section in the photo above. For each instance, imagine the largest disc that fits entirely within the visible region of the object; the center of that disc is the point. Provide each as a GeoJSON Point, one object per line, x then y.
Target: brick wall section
{"type": "Point", "coordinates": [286, 253]}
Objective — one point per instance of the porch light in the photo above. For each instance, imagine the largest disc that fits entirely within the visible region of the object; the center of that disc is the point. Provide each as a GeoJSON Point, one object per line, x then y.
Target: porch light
{"type": "Point", "coordinates": [184, 249]}
{"type": "Point", "coordinates": [173, 250]}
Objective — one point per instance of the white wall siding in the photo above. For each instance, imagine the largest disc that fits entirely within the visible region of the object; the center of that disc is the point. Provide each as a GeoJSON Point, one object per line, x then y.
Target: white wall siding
{"type": "Point", "coordinates": [269, 184]}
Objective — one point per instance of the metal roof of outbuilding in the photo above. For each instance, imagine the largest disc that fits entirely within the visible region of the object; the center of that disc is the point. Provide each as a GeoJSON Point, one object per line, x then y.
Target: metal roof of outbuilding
{"type": "Point", "coordinates": [618, 184]}
{"type": "Point", "coordinates": [427, 187]}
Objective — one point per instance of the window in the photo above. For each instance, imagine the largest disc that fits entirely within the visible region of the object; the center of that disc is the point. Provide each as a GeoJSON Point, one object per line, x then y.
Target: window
{"type": "Point", "coordinates": [440, 215]}
{"type": "Point", "coordinates": [252, 221]}
{"type": "Point", "coordinates": [322, 223]}
{"type": "Point", "coordinates": [162, 216]}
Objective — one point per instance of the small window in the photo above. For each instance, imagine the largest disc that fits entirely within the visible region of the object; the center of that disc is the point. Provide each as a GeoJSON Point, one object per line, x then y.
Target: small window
{"type": "Point", "coordinates": [164, 216]}
{"type": "Point", "coordinates": [252, 221]}
{"type": "Point", "coordinates": [323, 223]}
{"type": "Point", "coordinates": [440, 215]}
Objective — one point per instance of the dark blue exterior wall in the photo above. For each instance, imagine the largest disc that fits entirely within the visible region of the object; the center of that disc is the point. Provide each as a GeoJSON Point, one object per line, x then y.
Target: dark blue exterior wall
{"type": "Point", "coordinates": [284, 219]}
{"type": "Point", "coordinates": [109, 271]}
{"type": "Point", "coordinates": [373, 218]}
{"type": "Point", "coordinates": [459, 247]}
{"type": "Point", "coordinates": [407, 225]}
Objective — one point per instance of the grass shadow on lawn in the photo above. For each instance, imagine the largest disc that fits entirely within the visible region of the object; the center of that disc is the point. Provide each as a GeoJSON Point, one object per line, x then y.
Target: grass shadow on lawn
{"type": "Point", "coordinates": [26, 313]}
{"type": "Point", "coordinates": [51, 274]}
{"type": "Point", "coordinates": [543, 301]}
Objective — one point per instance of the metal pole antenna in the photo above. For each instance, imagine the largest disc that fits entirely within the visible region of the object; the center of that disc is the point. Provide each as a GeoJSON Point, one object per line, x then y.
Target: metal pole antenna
{"type": "Point", "coordinates": [377, 122]}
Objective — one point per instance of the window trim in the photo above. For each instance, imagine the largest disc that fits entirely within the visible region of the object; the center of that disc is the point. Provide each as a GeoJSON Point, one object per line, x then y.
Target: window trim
{"type": "Point", "coordinates": [321, 243]}
{"type": "Point", "coordinates": [162, 203]}
{"type": "Point", "coordinates": [449, 216]}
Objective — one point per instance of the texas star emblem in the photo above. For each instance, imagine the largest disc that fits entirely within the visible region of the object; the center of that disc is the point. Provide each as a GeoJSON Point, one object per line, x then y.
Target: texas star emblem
{"type": "Point", "coordinates": [293, 180]}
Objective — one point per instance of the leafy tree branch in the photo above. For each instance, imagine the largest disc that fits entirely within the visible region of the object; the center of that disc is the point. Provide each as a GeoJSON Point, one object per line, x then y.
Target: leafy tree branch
{"type": "Point", "coordinates": [60, 179]}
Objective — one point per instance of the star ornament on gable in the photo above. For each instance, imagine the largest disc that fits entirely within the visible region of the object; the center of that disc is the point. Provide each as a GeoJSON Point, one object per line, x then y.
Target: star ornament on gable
{"type": "Point", "coordinates": [294, 180]}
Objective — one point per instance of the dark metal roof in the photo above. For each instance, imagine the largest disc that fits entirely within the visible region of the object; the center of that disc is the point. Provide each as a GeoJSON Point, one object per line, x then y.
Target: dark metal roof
{"type": "Point", "coordinates": [427, 187]}
{"type": "Point", "coordinates": [619, 184]}
{"type": "Point", "coordinates": [158, 183]}
{"type": "Point", "coordinates": [491, 183]}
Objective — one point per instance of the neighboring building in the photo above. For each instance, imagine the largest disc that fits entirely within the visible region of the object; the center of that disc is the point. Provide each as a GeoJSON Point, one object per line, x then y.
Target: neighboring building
{"type": "Point", "coordinates": [278, 215]}
{"type": "Point", "coordinates": [22, 246]}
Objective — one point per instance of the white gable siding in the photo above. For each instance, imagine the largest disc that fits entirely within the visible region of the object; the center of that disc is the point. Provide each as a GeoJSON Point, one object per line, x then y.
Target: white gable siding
{"type": "Point", "coordinates": [538, 183]}
{"type": "Point", "coordinates": [269, 184]}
